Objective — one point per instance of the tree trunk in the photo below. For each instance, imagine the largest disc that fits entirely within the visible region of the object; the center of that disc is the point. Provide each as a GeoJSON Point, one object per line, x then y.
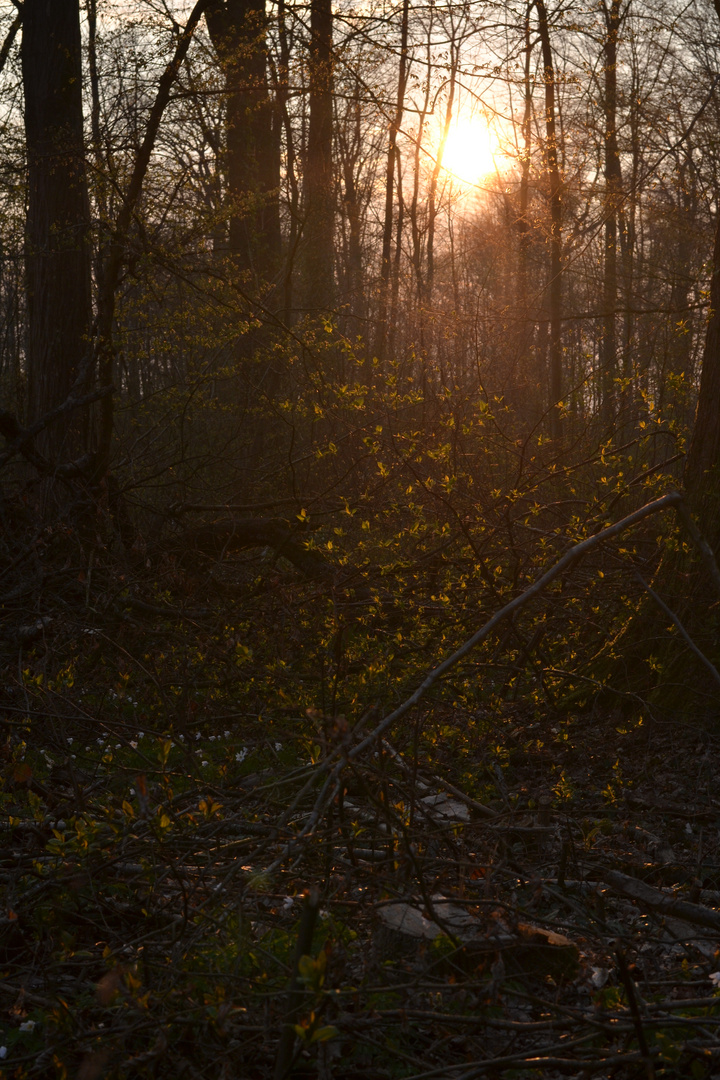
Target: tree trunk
{"type": "Point", "coordinates": [702, 467]}
{"type": "Point", "coordinates": [238, 31]}
{"type": "Point", "coordinates": [524, 377]}
{"type": "Point", "coordinates": [555, 193]}
{"type": "Point", "coordinates": [285, 120]}
{"type": "Point", "coordinates": [613, 196]}
{"type": "Point", "coordinates": [390, 168]}
{"type": "Point", "coordinates": [58, 247]}
{"type": "Point", "coordinates": [318, 229]}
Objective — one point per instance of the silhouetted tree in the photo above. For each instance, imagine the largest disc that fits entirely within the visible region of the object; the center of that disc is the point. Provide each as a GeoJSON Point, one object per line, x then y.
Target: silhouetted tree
{"type": "Point", "coordinates": [238, 29]}
{"type": "Point", "coordinates": [318, 243]}
{"type": "Point", "coordinates": [58, 221]}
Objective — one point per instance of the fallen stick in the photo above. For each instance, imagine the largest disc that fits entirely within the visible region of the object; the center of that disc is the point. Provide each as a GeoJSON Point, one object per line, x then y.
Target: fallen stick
{"type": "Point", "coordinates": [656, 900]}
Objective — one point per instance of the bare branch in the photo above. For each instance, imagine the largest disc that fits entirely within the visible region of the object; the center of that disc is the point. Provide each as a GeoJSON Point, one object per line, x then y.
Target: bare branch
{"type": "Point", "coordinates": [681, 630]}
{"type": "Point", "coordinates": [9, 38]}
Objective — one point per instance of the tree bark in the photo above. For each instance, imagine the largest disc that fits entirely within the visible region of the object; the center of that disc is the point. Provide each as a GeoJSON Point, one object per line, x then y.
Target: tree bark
{"type": "Point", "coordinates": [613, 195]}
{"type": "Point", "coordinates": [390, 168]}
{"type": "Point", "coordinates": [318, 230]}
{"type": "Point", "coordinates": [702, 467]}
{"type": "Point", "coordinates": [58, 247]}
{"type": "Point", "coordinates": [238, 32]}
{"type": "Point", "coordinates": [555, 194]}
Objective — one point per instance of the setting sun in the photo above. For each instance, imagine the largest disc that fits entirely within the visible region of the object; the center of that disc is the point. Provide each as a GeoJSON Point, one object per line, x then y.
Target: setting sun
{"type": "Point", "coordinates": [470, 151]}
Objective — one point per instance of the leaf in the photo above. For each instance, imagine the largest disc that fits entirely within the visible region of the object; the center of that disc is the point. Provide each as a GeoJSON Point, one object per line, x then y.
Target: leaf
{"type": "Point", "coordinates": [306, 966]}
{"type": "Point", "coordinates": [324, 1034]}
{"type": "Point", "coordinates": [22, 773]}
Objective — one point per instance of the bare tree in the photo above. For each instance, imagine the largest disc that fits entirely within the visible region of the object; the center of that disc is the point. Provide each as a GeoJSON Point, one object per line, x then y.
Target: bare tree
{"type": "Point", "coordinates": [58, 248]}
{"type": "Point", "coordinates": [252, 153]}
{"type": "Point", "coordinates": [555, 196]}
{"type": "Point", "coordinates": [318, 251]}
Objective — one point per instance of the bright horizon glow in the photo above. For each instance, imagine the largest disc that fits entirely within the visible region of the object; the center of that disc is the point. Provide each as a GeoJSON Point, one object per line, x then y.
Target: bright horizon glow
{"type": "Point", "coordinates": [470, 151]}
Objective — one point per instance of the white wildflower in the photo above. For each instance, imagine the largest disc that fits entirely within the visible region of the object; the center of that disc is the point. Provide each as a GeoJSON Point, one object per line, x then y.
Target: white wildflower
{"type": "Point", "coordinates": [278, 747]}
{"type": "Point", "coordinates": [3, 1052]}
{"type": "Point", "coordinates": [28, 1025]}
{"type": "Point", "coordinates": [133, 743]}
{"type": "Point", "coordinates": [288, 902]}
{"type": "Point", "coordinates": [203, 763]}
{"type": "Point", "coordinates": [242, 754]}
{"type": "Point", "coordinates": [714, 977]}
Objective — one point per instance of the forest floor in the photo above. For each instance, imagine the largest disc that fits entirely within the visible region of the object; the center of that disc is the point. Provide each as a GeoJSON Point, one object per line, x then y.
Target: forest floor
{"type": "Point", "coordinates": [502, 891]}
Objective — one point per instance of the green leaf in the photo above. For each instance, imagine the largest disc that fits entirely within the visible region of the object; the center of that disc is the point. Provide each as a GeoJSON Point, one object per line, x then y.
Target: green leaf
{"type": "Point", "coordinates": [324, 1034]}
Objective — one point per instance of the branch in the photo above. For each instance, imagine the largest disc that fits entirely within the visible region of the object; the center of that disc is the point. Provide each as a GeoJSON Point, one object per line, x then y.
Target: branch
{"type": "Point", "coordinates": [680, 629]}
{"type": "Point", "coordinates": [216, 538]}
{"type": "Point", "coordinates": [19, 438]}
{"type": "Point", "coordinates": [575, 553]}
{"type": "Point", "coordinates": [708, 556]}
{"type": "Point", "coordinates": [176, 509]}
{"type": "Point", "coordinates": [9, 38]}
{"type": "Point", "coordinates": [660, 901]}
{"type": "Point", "coordinates": [117, 251]}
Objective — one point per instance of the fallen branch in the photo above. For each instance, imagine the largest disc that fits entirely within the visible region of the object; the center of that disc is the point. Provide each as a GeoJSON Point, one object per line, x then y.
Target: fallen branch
{"type": "Point", "coordinates": [219, 537]}
{"type": "Point", "coordinates": [656, 900]}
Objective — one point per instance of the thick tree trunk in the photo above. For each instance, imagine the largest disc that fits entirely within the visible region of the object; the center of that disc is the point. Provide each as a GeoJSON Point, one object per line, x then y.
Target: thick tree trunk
{"type": "Point", "coordinates": [318, 228]}
{"type": "Point", "coordinates": [58, 245]}
{"type": "Point", "coordinates": [238, 32]}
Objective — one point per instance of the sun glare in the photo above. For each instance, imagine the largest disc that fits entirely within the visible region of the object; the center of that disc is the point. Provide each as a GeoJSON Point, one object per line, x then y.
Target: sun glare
{"type": "Point", "coordinates": [470, 151]}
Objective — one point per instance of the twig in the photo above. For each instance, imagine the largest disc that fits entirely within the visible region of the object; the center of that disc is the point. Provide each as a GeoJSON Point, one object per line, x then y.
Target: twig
{"type": "Point", "coordinates": [635, 1012]}
{"type": "Point", "coordinates": [681, 629]}
{"type": "Point", "coordinates": [284, 1059]}
{"type": "Point", "coordinates": [708, 556]}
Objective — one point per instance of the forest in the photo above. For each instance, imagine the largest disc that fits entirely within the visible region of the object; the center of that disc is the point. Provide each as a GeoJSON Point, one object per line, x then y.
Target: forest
{"type": "Point", "coordinates": [359, 539]}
